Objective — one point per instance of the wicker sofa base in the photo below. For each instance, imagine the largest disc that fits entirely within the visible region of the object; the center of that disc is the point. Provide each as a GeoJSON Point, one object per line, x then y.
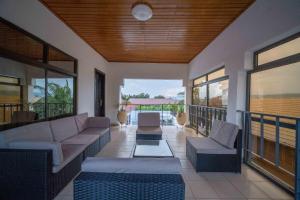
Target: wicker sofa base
{"type": "Point", "coordinates": [148, 136]}
{"type": "Point", "coordinates": [27, 174]}
{"type": "Point", "coordinates": [120, 186]}
{"type": "Point", "coordinates": [215, 162]}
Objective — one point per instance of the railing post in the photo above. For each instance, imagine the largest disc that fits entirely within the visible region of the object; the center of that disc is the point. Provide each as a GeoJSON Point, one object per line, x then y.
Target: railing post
{"type": "Point", "coordinates": [277, 143]}
{"type": "Point", "coordinates": [162, 114]}
{"type": "Point", "coordinates": [262, 136]}
{"type": "Point", "coordinates": [197, 120]}
{"type": "Point", "coordinates": [297, 159]}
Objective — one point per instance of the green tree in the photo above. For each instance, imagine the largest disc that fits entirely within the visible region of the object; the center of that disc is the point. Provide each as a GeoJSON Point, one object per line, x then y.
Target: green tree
{"type": "Point", "coordinates": [159, 97]}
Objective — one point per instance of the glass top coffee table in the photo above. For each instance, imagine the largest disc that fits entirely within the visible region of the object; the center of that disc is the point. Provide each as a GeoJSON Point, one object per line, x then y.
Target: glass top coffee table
{"type": "Point", "coordinates": [152, 148]}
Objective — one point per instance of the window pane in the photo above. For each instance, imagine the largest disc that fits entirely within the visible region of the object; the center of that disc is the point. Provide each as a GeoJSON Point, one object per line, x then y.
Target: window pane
{"type": "Point", "coordinates": [24, 102]}
{"type": "Point", "coordinates": [216, 74]}
{"type": "Point", "coordinates": [276, 91]}
{"type": "Point", "coordinates": [218, 94]}
{"type": "Point", "coordinates": [60, 94]}
{"type": "Point", "coordinates": [61, 60]}
{"type": "Point", "coordinates": [200, 80]}
{"type": "Point", "coordinates": [17, 42]}
{"type": "Point", "coordinates": [284, 50]}
{"type": "Point", "coordinates": [199, 95]}
{"type": "Point", "coordinates": [4, 79]}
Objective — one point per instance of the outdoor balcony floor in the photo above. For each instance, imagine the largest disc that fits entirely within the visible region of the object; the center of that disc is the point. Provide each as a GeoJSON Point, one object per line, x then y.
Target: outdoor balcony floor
{"type": "Point", "coordinates": [212, 186]}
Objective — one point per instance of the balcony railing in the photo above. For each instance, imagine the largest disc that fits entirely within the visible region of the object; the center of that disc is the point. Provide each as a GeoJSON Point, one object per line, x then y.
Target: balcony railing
{"type": "Point", "coordinates": [201, 117]}
{"type": "Point", "coordinates": [167, 112]}
{"type": "Point", "coordinates": [271, 142]}
{"type": "Point", "coordinates": [271, 145]}
{"type": "Point", "coordinates": [53, 109]}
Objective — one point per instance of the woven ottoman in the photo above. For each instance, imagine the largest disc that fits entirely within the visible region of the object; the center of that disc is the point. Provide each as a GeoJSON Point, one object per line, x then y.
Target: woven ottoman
{"type": "Point", "coordinates": [130, 178]}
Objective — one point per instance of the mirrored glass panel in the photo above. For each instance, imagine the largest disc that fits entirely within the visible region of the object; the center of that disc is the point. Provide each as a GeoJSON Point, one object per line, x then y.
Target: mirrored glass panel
{"type": "Point", "coordinates": [276, 91]}
{"type": "Point", "coordinates": [200, 95]}
{"type": "Point", "coordinates": [23, 100]}
{"type": "Point", "coordinates": [216, 74]}
{"type": "Point", "coordinates": [60, 94]}
{"type": "Point", "coordinates": [19, 43]}
{"type": "Point", "coordinates": [218, 94]}
{"type": "Point", "coordinates": [284, 50]}
{"type": "Point", "coordinates": [61, 60]}
{"type": "Point", "coordinates": [200, 80]}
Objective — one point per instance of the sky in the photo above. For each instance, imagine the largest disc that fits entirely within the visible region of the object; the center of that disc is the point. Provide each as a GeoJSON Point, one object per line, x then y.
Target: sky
{"type": "Point", "coordinates": [167, 88]}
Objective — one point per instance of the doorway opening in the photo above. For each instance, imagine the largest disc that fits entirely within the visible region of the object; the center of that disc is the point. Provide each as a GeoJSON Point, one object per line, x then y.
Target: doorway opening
{"type": "Point", "coordinates": [99, 93]}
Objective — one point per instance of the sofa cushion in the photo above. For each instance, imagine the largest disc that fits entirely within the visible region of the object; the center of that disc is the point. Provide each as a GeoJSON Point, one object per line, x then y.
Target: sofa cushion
{"type": "Point", "coordinates": [149, 130]}
{"type": "Point", "coordinates": [226, 134]}
{"type": "Point", "coordinates": [208, 146]}
{"type": "Point", "coordinates": [149, 119]}
{"type": "Point", "coordinates": [98, 122]}
{"type": "Point", "coordinates": [57, 154]}
{"type": "Point", "coordinates": [95, 131]}
{"type": "Point", "coordinates": [70, 151]}
{"type": "Point", "coordinates": [132, 165]}
{"type": "Point", "coordinates": [81, 121]}
{"type": "Point", "coordinates": [82, 139]}
{"type": "Point", "coordinates": [38, 131]}
{"type": "Point", "coordinates": [63, 128]}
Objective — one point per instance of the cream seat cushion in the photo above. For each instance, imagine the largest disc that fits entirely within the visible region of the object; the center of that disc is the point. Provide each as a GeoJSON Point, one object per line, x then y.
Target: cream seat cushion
{"type": "Point", "coordinates": [209, 146]}
{"type": "Point", "coordinates": [132, 165]}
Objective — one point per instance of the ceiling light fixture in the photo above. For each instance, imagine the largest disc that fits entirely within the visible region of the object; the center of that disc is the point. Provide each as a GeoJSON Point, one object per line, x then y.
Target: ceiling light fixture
{"type": "Point", "coordinates": [141, 11]}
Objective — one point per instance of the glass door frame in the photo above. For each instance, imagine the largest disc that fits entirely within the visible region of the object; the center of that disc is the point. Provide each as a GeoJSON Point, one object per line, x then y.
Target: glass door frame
{"type": "Point", "coordinates": [258, 68]}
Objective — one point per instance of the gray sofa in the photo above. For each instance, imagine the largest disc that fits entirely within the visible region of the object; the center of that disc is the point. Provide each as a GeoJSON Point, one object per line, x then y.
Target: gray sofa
{"type": "Point", "coordinates": [149, 126]}
{"type": "Point", "coordinates": [48, 154]}
{"type": "Point", "coordinates": [220, 152]}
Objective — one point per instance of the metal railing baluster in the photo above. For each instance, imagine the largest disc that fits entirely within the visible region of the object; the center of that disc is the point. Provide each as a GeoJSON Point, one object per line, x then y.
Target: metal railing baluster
{"type": "Point", "coordinates": [262, 137]}
{"type": "Point", "coordinates": [277, 143]}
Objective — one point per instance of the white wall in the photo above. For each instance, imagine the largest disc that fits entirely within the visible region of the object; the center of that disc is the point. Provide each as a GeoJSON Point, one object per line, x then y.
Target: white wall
{"type": "Point", "coordinates": [35, 18]}
{"type": "Point", "coordinates": [263, 23]}
{"type": "Point", "coordinates": [120, 71]}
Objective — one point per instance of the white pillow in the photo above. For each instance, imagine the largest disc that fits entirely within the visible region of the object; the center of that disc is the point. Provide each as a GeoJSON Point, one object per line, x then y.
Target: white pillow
{"type": "Point", "coordinates": [57, 154]}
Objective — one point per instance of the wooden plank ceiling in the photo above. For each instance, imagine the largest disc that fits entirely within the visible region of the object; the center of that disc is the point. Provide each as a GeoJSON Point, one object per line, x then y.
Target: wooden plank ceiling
{"type": "Point", "coordinates": [177, 32]}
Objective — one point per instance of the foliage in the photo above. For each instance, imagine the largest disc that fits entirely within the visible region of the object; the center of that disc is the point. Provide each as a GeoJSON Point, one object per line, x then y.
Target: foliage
{"type": "Point", "coordinates": [137, 96]}
{"type": "Point", "coordinates": [57, 93]}
{"type": "Point", "coordinates": [159, 97]}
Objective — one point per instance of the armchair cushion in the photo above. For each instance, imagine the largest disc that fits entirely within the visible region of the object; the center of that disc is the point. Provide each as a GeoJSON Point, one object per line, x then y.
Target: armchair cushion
{"type": "Point", "coordinates": [132, 165]}
{"type": "Point", "coordinates": [57, 154]}
{"type": "Point", "coordinates": [98, 122]}
{"type": "Point", "coordinates": [208, 146]}
{"type": "Point", "coordinates": [81, 121]}
{"type": "Point", "coordinates": [149, 130]}
{"type": "Point", "coordinates": [225, 133]}
{"type": "Point", "coordinates": [149, 119]}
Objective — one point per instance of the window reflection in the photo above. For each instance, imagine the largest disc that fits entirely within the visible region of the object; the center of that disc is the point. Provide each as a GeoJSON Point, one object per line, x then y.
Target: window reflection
{"type": "Point", "coordinates": [60, 94]}
{"type": "Point", "coordinates": [284, 50]}
{"type": "Point", "coordinates": [199, 95]}
{"type": "Point", "coordinates": [61, 60]}
{"type": "Point", "coordinates": [22, 98]}
{"type": "Point", "coordinates": [218, 94]}
{"type": "Point", "coordinates": [17, 42]}
{"type": "Point", "coordinates": [276, 91]}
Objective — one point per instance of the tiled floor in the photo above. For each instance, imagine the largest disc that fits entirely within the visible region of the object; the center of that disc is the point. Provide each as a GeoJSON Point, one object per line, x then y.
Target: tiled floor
{"type": "Point", "coordinates": [212, 186]}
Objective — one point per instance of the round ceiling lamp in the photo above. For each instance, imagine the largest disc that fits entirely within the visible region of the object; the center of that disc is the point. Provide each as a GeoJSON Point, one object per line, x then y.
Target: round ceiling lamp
{"type": "Point", "coordinates": [141, 11]}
